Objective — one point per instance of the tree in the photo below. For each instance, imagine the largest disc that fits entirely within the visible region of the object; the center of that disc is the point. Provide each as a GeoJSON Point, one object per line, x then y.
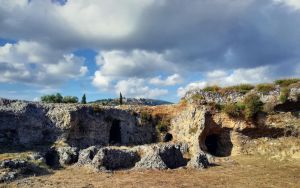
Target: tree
{"type": "Point", "coordinates": [70, 99]}
{"type": "Point", "coordinates": [121, 99]}
{"type": "Point", "coordinates": [57, 98]}
{"type": "Point", "coordinates": [83, 99]}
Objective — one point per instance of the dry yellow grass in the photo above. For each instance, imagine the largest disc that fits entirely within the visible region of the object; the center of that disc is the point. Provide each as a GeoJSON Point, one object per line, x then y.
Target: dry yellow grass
{"type": "Point", "coordinates": [243, 172]}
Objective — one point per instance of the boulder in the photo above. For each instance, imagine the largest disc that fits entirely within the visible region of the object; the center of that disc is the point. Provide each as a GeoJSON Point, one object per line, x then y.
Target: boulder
{"type": "Point", "coordinates": [87, 155]}
{"type": "Point", "coordinates": [151, 160]}
{"type": "Point", "coordinates": [114, 159]}
{"type": "Point", "coordinates": [15, 168]}
{"type": "Point", "coordinates": [162, 156]}
{"type": "Point", "coordinates": [67, 155]}
{"type": "Point", "coordinates": [199, 161]}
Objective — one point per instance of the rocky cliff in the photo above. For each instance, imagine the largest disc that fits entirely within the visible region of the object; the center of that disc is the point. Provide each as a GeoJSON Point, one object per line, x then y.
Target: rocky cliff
{"type": "Point", "coordinates": [129, 137]}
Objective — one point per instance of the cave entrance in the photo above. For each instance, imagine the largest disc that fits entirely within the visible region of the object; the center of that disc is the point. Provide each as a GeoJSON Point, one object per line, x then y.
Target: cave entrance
{"type": "Point", "coordinates": [115, 132]}
{"type": "Point", "coordinates": [219, 143]}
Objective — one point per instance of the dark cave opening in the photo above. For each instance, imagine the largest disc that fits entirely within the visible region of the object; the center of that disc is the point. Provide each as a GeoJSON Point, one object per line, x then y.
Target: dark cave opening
{"type": "Point", "coordinates": [115, 133]}
{"type": "Point", "coordinates": [211, 143]}
{"type": "Point", "coordinates": [219, 144]}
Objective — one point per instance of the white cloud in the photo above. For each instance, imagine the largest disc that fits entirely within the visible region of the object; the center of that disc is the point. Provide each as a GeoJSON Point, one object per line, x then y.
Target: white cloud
{"type": "Point", "coordinates": [293, 3]}
{"type": "Point", "coordinates": [137, 88]}
{"type": "Point", "coordinates": [119, 70]}
{"type": "Point", "coordinates": [262, 74]}
{"type": "Point", "coordinates": [181, 91]}
{"type": "Point", "coordinates": [135, 63]}
{"type": "Point", "coordinates": [169, 81]}
{"type": "Point", "coordinates": [34, 63]}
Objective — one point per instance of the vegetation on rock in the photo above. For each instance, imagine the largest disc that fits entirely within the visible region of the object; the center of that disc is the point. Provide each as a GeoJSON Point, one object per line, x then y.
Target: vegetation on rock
{"type": "Point", "coordinates": [253, 105]}
{"type": "Point", "coordinates": [287, 82]}
{"type": "Point", "coordinates": [265, 88]}
{"type": "Point", "coordinates": [284, 93]}
{"type": "Point", "coordinates": [234, 109]}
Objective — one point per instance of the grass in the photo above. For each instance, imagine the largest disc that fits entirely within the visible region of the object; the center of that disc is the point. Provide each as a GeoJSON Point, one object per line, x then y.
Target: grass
{"type": "Point", "coordinates": [242, 88]}
{"type": "Point", "coordinates": [287, 82]}
{"type": "Point", "coordinates": [265, 88]}
{"type": "Point", "coordinates": [284, 93]}
{"type": "Point", "coordinates": [146, 117]}
{"type": "Point", "coordinates": [213, 89]}
{"type": "Point", "coordinates": [239, 171]}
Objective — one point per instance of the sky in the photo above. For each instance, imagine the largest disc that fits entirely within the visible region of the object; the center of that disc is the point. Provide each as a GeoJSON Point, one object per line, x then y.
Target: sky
{"type": "Point", "coordinates": [144, 48]}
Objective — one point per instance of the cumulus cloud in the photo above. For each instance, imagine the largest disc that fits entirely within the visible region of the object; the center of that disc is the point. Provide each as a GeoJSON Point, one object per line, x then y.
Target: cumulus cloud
{"type": "Point", "coordinates": [119, 69]}
{"type": "Point", "coordinates": [191, 86]}
{"type": "Point", "coordinates": [144, 39]}
{"type": "Point", "coordinates": [169, 81]}
{"type": "Point", "coordinates": [34, 63]}
{"type": "Point", "coordinates": [136, 87]}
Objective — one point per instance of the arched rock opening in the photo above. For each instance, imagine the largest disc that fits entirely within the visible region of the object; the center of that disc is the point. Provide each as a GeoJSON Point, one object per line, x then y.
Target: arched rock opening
{"type": "Point", "coordinates": [219, 143]}
{"type": "Point", "coordinates": [215, 139]}
{"type": "Point", "coordinates": [115, 132]}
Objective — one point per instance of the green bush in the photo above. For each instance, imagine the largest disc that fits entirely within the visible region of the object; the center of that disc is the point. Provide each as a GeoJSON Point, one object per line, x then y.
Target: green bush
{"type": "Point", "coordinates": [284, 93]}
{"type": "Point", "coordinates": [55, 98]}
{"type": "Point", "coordinates": [252, 106]}
{"type": "Point", "coordinates": [287, 82]}
{"type": "Point", "coordinates": [265, 88]}
{"type": "Point", "coordinates": [213, 89]}
{"type": "Point", "coordinates": [233, 109]}
{"type": "Point", "coordinates": [70, 99]}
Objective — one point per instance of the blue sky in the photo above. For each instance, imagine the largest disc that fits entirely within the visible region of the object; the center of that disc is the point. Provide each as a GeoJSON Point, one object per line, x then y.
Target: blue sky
{"type": "Point", "coordinates": [146, 48]}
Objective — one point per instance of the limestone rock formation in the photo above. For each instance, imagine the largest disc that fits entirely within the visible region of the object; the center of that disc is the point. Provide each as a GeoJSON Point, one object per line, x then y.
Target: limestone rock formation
{"type": "Point", "coordinates": [114, 159]}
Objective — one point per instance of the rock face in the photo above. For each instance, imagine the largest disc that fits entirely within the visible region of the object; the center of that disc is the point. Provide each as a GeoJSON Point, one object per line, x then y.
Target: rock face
{"type": "Point", "coordinates": [162, 156]}
{"type": "Point", "coordinates": [12, 169]}
{"type": "Point", "coordinates": [220, 135]}
{"type": "Point", "coordinates": [114, 159]}
{"type": "Point", "coordinates": [25, 123]}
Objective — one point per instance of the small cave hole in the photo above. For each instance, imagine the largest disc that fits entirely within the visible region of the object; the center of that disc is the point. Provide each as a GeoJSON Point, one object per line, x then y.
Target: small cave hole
{"type": "Point", "coordinates": [219, 144]}
{"type": "Point", "coordinates": [115, 133]}
{"type": "Point", "coordinates": [52, 158]}
{"type": "Point", "coordinates": [167, 137]}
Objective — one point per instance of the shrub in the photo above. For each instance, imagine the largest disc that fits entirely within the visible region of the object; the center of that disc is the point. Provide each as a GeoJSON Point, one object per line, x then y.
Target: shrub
{"type": "Point", "coordinates": [252, 106]}
{"type": "Point", "coordinates": [55, 98]}
{"type": "Point", "coordinates": [287, 82]}
{"type": "Point", "coordinates": [265, 88]}
{"type": "Point", "coordinates": [70, 99]}
{"type": "Point", "coordinates": [242, 88]}
{"type": "Point", "coordinates": [233, 109]}
{"type": "Point", "coordinates": [284, 93]}
{"type": "Point", "coordinates": [213, 89]}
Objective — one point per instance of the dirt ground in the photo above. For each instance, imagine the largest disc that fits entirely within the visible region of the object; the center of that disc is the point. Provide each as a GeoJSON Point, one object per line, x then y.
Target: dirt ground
{"type": "Point", "coordinates": [243, 171]}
